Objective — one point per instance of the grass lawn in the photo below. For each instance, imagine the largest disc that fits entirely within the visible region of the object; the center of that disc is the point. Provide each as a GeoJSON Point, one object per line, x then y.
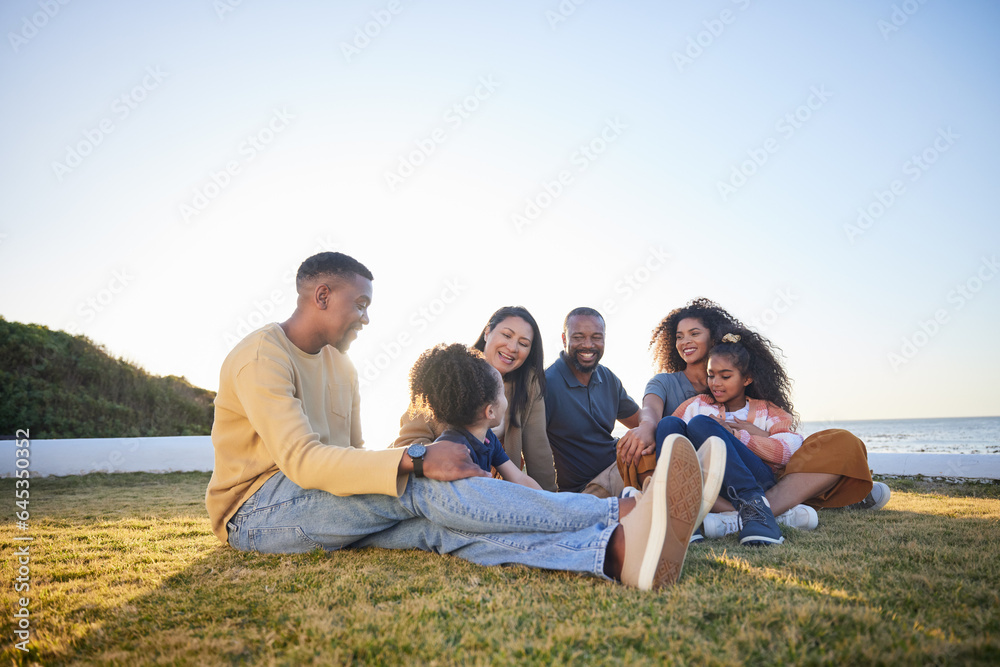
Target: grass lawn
{"type": "Point", "coordinates": [124, 570]}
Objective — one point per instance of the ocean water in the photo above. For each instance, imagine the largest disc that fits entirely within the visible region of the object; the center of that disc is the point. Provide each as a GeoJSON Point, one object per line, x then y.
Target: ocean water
{"type": "Point", "coordinates": [954, 435]}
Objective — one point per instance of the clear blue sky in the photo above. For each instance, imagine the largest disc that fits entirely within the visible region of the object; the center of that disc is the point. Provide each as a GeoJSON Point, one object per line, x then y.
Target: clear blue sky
{"type": "Point", "coordinates": [167, 167]}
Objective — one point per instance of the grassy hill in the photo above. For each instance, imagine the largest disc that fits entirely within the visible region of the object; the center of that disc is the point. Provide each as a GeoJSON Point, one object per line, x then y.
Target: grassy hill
{"type": "Point", "coordinates": [64, 386]}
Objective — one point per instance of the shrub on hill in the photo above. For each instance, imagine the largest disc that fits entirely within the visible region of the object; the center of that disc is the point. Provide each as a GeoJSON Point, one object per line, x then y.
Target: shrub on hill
{"type": "Point", "coordinates": [64, 386]}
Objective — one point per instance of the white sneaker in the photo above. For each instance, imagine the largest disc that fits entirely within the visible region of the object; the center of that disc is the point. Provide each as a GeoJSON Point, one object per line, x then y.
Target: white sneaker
{"type": "Point", "coordinates": [875, 500]}
{"type": "Point", "coordinates": [631, 492]}
{"type": "Point", "coordinates": [712, 457]}
{"type": "Point", "coordinates": [801, 517]}
{"type": "Point", "coordinates": [721, 524]}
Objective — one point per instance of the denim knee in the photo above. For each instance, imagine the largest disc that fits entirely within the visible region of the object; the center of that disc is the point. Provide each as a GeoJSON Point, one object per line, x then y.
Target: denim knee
{"type": "Point", "coordinates": [744, 470]}
{"type": "Point", "coordinates": [702, 427]}
{"type": "Point", "coordinates": [668, 426]}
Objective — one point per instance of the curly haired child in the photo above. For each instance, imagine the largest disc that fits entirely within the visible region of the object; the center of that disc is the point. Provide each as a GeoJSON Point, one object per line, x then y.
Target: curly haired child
{"type": "Point", "coordinates": [455, 385]}
{"type": "Point", "coordinates": [748, 407]}
{"type": "Point", "coordinates": [679, 345]}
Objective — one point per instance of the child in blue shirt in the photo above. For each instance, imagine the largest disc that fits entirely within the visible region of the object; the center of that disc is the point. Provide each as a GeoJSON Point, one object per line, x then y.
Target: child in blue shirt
{"type": "Point", "coordinates": [459, 388]}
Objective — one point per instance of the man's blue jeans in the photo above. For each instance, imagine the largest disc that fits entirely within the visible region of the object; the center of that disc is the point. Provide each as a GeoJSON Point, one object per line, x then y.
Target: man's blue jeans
{"type": "Point", "coordinates": [745, 472]}
{"type": "Point", "coordinates": [482, 520]}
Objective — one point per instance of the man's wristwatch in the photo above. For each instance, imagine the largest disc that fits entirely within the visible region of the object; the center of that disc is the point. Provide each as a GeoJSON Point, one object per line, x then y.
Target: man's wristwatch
{"type": "Point", "coordinates": [416, 453]}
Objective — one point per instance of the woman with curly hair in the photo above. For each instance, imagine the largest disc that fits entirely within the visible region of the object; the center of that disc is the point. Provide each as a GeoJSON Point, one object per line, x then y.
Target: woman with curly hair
{"type": "Point", "coordinates": [680, 345]}
{"type": "Point", "coordinates": [455, 386]}
{"type": "Point", "coordinates": [830, 469]}
{"type": "Point", "coordinates": [510, 343]}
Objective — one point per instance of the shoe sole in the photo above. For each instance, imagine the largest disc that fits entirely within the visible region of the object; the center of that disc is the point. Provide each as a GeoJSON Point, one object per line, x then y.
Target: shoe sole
{"type": "Point", "coordinates": [712, 458]}
{"type": "Point", "coordinates": [759, 541]}
{"type": "Point", "coordinates": [656, 485]}
{"type": "Point", "coordinates": [684, 499]}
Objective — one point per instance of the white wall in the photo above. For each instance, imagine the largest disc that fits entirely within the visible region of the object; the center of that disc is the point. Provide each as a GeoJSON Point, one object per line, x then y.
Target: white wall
{"type": "Point", "coordinates": [80, 456]}
{"type": "Point", "coordinates": [187, 453]}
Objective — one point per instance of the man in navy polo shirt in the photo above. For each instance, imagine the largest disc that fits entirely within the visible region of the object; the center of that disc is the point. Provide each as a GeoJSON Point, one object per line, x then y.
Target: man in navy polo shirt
{"type": "Point", "coordinates": [582, 401]}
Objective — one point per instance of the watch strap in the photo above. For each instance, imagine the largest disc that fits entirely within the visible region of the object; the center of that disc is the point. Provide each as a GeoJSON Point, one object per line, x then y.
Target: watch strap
{"type": "Point", "coordinates": [416, 453]}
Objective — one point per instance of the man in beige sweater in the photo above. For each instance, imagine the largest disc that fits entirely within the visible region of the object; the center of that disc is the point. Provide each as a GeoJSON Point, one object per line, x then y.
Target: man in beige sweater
{"type": "Point", "coordinates": [291, 475]}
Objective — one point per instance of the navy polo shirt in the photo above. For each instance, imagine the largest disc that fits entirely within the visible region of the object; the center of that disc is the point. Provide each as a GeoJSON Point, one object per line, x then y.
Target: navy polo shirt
{"type": "Point", "coordinates": [485, 454]}
{"type": "Point", "coordinates": [580, 419]}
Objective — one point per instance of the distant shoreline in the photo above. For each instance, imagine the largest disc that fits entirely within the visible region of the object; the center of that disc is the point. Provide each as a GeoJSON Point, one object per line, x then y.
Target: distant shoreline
{"type": "Point", "coordinates": [893, 419]}
{"type": "Point", "coordinates": [937, 435]}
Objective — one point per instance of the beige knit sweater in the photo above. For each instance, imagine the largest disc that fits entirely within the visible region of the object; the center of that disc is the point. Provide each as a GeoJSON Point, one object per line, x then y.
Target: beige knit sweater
{"type": "Point", "coordinates": [279, 408]}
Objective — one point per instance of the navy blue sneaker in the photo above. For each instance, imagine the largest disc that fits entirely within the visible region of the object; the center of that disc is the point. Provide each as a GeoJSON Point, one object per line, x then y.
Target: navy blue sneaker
{"type": "Point", "coordinates": [758, 527]}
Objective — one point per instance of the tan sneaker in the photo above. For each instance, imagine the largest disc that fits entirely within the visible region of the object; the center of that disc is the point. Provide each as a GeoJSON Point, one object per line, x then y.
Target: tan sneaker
{"type": "Point", "coordinates": [658, 528]}
{"type": "Point", "coordinates": [712, 457]}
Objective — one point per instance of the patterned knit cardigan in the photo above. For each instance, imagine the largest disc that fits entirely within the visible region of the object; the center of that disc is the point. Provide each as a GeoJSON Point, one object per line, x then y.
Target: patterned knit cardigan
{"type": "Point", "coordinates": [774, 450]}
